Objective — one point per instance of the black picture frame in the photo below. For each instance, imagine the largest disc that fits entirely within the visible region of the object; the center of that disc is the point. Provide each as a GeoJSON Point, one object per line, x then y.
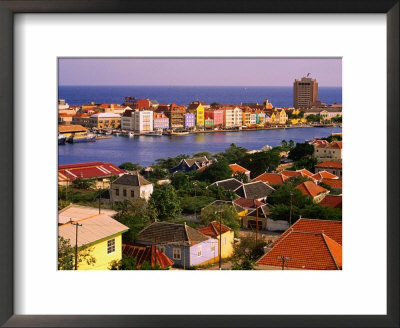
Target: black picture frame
{"type": "Point", "coordinates": [10, 7]}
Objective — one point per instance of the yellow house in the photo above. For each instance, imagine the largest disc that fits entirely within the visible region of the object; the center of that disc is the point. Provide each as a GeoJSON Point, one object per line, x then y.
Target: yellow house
{"type": "Point", "coordinates": [99, 236]}
{"type": "Point", "coordinates": [226, 234]}
{"type": "Point", "coordinates": [197, 109]}
{"type": "Point", "coordinates": [279, 116]}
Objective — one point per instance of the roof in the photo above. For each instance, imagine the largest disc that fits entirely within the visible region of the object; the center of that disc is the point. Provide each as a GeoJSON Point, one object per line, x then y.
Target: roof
{"type": "Point", "coordinates": [131, 179]}
{"type": "Point", "coordinates": [332, 201]}
{"type": "Point", "coordinates": [71, 128]}
{"type": "Point", "coordinates": [333, 183]}
{"type": "Point", "coordinates": [105, 115]}
{"type": "Point", "coordinates": [87, 170]}
{"type": "Point", "coordinates": [149, 253]}
{"type": "Point", "coordinates": [92, 229]}
{"type": "Point", "coordinates": [248, 203]}
{"type": "Point", "coordinates": [326, 144]}
{"type": "Point", "coordinates": [305, 250]}
{"type": "Point", "coordinates": [191, 161]}
{"type": "Point", "coordinates": [309, 188]}
{"type": "Point", "coordinates": [213, 229]}
{"type": "Point", "coordinates": [254, 190]}
{"type": "Point", "coordinates": [324, 175]}
{"type": "Point", "coordinates": [229, 184]}
{"type": "Point", "coordinates": [77, 212]}
{"type": "Point", "coordinates": [171, 233]}
{"type": "Point", "coordinates": [272, 178]}
{"type": "Point", "coordinates": [333, 229]}
{"type": "Point", "coordinates": [302, 172]}
{"type": "Point", "coordinates": [330, 164]}
{"type": "Point", "coordinates": [237, 168]}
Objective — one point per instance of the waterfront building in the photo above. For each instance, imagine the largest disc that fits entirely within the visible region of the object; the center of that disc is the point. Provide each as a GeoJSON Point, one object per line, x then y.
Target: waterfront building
{"type": "Point", "coordinates": [223, 234]}
{"type": "Point", "coordinates": [267, 119]}
{"type": "Point", "coordinates": [253, 118]}
{"type": "Point", "coordinates": [99, 171]}
{"type": "Point", "coordinates": [310, 189]}
{"type": "Point", "coordinates": [246, 116]}
{"type": "Point", "coordinates": [208, 122]}
{"type": "Point", "coordinates": [279, 116]}
{"type": "Point", "coordinates": [260, 117]}
{"type": "Point", "coordinates": [147, 253]}
{"type": "Point", "coordinates": [218, 117]}
{"type": "Point", "coordinates": [143, 121]}
{"type": "Point", "coordinates": [129, 187]}
{"type": "Point", "coordinates": [100, 236]}
{"type": "Point", "coordinates": [81, 119]}
{"type": "Point", "coordinates": [185, 245]}
{"type": "Point", "coordinates": [154, 104]}
{"type": "Point", "coordinates": [327, 151]}
{"type": "Point", "coordinates": [232, 117]}
{"type": "Point", "coordinates": [160, 121]}
{"type": "Point", "coordinates": [72, 130]}
{"type": "Point", "coordinates": [190, 120]}
{"type": "Point", "coordinates": [64, 118]}
{"type": "Point", "coordinates": [308, 245]}
{"type": "Point", "coordinates": [141, 104]}
{"type": "Point", "coordinates": [105, 121]}
{"type": "Point", "coordinates": [127, 120]}
{"type": "Point", "coordinates": [197, 108]}
{"type": "Point", "coordinates": [305, 92]}
{"type": "Point", "coordinates": [176, 115]}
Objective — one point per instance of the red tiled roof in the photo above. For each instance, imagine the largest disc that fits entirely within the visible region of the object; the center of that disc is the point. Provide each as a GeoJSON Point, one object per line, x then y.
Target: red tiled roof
{"type": "Point", "coordinates": [248, 203]}
{"type": "Point", "coordinates": [237, 168]}
{"type": "Point", "coordinates": [88, 170]}
{"type": "Point", "coordinates": [330, 164]}
{"type": "Point", "coordinates": [333, 229]}
{"type": "Point", "coordinates": [324, 175]}
{"type": "Point", "coordinates": [212, 229]}
{"type": "Point", "coordinates": [333, 201]}
{"type": "Point", "coordinates": [150, 254]}
{"type": "Point", "coordinates": [305, 250]}
{"type": "Point", "coordinates": [333, 183]}
{"type": "Point", "coordinates": [309, 188]}
{"type": "Point", "coordinates": [271, 178]}
{"type": "Point", "coordinates": [302, 172]}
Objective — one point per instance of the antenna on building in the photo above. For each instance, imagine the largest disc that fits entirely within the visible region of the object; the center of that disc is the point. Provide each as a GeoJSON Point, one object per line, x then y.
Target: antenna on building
{"type": "Point", "coordinates": [308, 74]}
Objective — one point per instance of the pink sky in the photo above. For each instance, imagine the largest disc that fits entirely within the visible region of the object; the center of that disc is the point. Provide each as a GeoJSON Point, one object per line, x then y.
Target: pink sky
{"type": "Point", "coordinates": [198, 71]}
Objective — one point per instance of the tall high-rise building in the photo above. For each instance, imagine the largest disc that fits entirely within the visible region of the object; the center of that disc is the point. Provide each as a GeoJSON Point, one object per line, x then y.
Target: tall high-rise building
{"type": "Point", "coordinates": [305, 92]}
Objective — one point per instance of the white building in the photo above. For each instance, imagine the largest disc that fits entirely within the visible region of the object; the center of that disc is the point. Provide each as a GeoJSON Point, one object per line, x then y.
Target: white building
{"type": "Point", "coordinates": [127, 121]}
{"type": "Point", "coordinates": [143, 121]}
{"type": "Point", "coordinates": [232, 117]}
{"type": "Point", "coordinates": [253, 119]}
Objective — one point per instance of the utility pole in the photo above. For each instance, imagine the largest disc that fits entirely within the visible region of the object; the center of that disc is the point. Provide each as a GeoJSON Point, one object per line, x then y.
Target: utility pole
{"type": "Point", "coordinates": [111, 193]}
{"type": "Point", "coordinates": [290, 213]}
{"type": "Point", "coordinates": [76, 242]}
{"type": "Point", "coordinates": [284, 259]}
{"type": "Point", "coordinates": [256, 219]}
{"type": "Point", "coordinates": [220, 240]}
{"type": "Point", "coordinates": [99, 201]}
{"type": "Point", "coordinates": [195, 185]}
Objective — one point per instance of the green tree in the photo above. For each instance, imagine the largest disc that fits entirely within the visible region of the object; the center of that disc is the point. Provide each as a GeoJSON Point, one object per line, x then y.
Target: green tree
{"type": "Point", "coordinates": [129, 166]}
{"type": "Point", "coordinates": [130, 263]}
{"type": "Point", "coordinates": [226, 212]}
{"type": "Point", "coordinates": [214, 104]}
{"type": "Point", "coordinates": [282, 196]}
{"type": "Point", "coordinates": [180, 180]}
{"type": "Point", "coordinates": [204, 153]}
{"type": "Point", "coordinates": [291, 143]}
{"type": "Point", "coordinates": [301, 150]}
{"type": "Point", "coordinates": [260, 162]}
{"type": "Point", "coordinates": [66, 255]}
{"type": "Point", "coordinates": [165, 202]}
{"type": "Point", "coordinates": [284, 143]}
{"type": "Point", "coordinates": [241, 176]}
{"type": "Point", "coordinates": [305, 163]}
{"type": "Point", "coordinates": [170, 162]}
{"type": "Point", "coordinates": [81, 183]}
{"type": "Point", "coordinates": [317, 211]}
{"type": "Point", "coordinates": [232, 154]}
{"type": "Point", "coordinates": [216, 171]}
{"type": "Point", "coordinates": [246, 252]}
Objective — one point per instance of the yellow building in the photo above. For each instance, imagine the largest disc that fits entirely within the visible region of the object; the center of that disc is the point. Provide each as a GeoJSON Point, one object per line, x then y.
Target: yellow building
{"type": "Point", "coordinates": [72, 130]}
{"type": "Point", "coordinates": [279, 116]}
{"type": "Point", "coordinates": [105, 121]}
{"type": "Point", "coordinates": [99, 236]}
{"type": "Point", "coordinates": [197, 109]}
{"type": "Point", "coordinates": [226, 234]}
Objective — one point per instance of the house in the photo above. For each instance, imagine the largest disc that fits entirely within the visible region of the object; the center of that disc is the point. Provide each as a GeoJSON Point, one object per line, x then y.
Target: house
{"type": "Point", "coordinates": [220, 232]}
{"type": "Point", "coordinates": [334, 167]}
{"type": "Point", "coordinates": [232, 117]}
{"type": "Point", "coordinates": [65, 118]}
{"type": "Point", "coordinates": [190, 121]}
{"type": "Point", "coordinates": [160, 121]}
{"type": "Point", "coordinates": [147, 253]}
{"type": "Point", "coordinates": [198, 110]}
{"type": "Point", "coordinates": [237, 168]}
{"type": "Point", "coordinates": [218, 117]}
{"type": "Point", "coordinates": [228, 184]}
{"type": "Point", "coordinates": [143, 121]}
{"type": "Point", "coordinates": [99, 171]}
{"type": "Point", "coordinates": [306, 245]}
{"type": "Point", "coordinates": [334, 184]}
{"type": "Point", "coordinates": [255, 190]}
{"type": "Point", "coordinates": [100, 235]}
{"type": "Point", "coordinates": [279, 116]}
{"type": "Point", "coordinates": [310, 189]}
{"type": "Point", "coordinates": [324, 175]}
{"type": "Point", "coordinates": [75, 212]}
{"type": "Point", "coordinates": [190, 164]}
{"type": "Point", "coordinates": [81, 119]}
{"type": "Point", "coordinates": [332, 201]}
{"type": "Point", "coordinates": [184, 245]}
{"type": "Point", "coordinates": [131, 186]}
{"type": "Point", "coordinates": [297, 173]}
{"type": "Point", "coordinates": [271, 178]}
{"type": "Point", "coordinates": [256, 211]}
{"type": "Point", "coordinates": [327, 151]}
{"type": "Point", "coordinates": [105, 121]}
{"type": "Point", "coordinates": [127, 120]}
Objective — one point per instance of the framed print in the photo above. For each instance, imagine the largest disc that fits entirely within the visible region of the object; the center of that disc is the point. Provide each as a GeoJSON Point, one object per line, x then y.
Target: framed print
{"type": "Point", "coordinates": [62, 54]}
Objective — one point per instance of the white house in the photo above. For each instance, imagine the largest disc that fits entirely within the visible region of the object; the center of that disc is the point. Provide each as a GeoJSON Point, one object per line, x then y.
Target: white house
{"type": "Point", "coordinates": [143, 121]}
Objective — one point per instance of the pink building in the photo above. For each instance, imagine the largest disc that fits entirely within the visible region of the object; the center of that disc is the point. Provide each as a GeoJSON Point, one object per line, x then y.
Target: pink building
{"type": "Point", "coordinates": [217, 116]}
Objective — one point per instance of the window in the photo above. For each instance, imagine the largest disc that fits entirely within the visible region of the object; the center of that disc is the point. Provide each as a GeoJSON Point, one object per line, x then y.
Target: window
{"type": "Point", "coordinates": [176, 254]}
{"type": "Point", "coordinates": [110, 246]}
{"type": "Point", "coordinates": [132, 193]}
{"type": "Point", "coordinates": [334, 172]}
{"type": "Point", "coordinates": [124, 192]}
{"type": "Point", "coordinates": [212, 247]}
{"type": "Point", "coordinates": [224, 241]}
{"type": "Point", "coordinates": [199, 251]}
{"type": "Point", "coordinates": [117, 192]}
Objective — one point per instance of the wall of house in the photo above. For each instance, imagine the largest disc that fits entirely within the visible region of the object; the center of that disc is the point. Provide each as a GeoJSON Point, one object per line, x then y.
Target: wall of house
{"type": "Point", "coordinates": [138, 192]}
{"type": "Point", "coordinates": [277, 225]}
{"type": "Point", "coordinates": [99, 252]}
{"type": "Point", "coordinates": [207, 253]}
{"type": "Point", "coordinates": [227, 244]}
{"type": "Point", "coordinates": [246, 219]}
{"type": "Point", "coordinates": [335, 171]}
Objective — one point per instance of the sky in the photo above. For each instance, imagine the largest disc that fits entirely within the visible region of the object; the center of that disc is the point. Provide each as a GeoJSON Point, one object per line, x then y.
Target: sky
{"type": "Point", "coordinates": [198, 71]}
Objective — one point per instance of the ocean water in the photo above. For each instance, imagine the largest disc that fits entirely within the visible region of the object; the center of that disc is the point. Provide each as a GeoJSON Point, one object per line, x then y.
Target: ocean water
{"type": "Point", "coordinates": [183, 95]}
{"type": "Point", "coordinates": [145, 150]}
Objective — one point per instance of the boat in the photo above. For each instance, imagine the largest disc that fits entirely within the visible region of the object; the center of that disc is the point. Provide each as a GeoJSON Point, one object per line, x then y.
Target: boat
{"type": "Point", "coordinates": [62, 139]}
{"type": "Point", "coordinates": [86, 138]}
{"type": "Point", "coordinates": [157, 133]}
{"type": "Point", "coordinates": [108, 133]}
{"type": "Point", "coordinates": [178, 133]}
{"type": "Point", "coordinates": [131, 134]}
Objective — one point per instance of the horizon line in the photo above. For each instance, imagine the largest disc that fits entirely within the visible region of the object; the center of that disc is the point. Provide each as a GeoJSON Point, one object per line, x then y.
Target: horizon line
{"type": "Point", "coordinates": [181, 85]}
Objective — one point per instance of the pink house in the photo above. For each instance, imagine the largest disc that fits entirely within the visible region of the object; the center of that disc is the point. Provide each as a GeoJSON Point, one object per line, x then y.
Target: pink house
{"type": "Point", "coordinates": [217, 116]}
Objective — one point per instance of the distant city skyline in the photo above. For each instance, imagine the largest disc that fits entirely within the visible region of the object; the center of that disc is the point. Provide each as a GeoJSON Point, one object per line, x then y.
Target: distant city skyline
{"type": "Point", "coordinates": [198, 71]}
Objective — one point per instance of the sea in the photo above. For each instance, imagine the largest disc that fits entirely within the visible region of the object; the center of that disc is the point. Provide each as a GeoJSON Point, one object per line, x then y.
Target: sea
{"type": "Point", "coordinates": [145, 150]}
